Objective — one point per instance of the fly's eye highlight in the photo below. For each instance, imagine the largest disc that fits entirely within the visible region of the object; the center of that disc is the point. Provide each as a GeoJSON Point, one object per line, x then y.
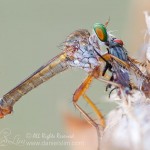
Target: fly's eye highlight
{"type": "Point", "coordinates": [100, 31]}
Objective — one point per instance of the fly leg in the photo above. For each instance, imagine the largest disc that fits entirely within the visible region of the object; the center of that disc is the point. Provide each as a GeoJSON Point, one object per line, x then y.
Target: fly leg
{"type": "Point", "coordinates": [89, 119]}
{"type": "Point", "coordinates": [121, 93]}
{"type": "Point", "coordinates": [107, 66]}
{"type": "Point", "coordinates": [109, 85]}
{"type": "Point", "coordinates": [81, 92]}
{"type": "Point", "coordinates": [109, 57]}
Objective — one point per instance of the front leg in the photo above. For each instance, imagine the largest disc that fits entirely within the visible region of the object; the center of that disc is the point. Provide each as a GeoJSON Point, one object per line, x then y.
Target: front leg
{"type": "Point", "coordinates": [81, 92]}
{"type": "Point", "coordinates": [109, 57]}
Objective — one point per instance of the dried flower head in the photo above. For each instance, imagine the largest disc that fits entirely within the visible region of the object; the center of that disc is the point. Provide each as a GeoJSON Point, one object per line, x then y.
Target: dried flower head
{"type": "Point", "coordinates": [128, 126]}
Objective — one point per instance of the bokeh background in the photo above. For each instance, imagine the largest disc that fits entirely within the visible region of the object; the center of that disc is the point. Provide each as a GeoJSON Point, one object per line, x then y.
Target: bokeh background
{"type": "Point", "coordinates": [30, 34]}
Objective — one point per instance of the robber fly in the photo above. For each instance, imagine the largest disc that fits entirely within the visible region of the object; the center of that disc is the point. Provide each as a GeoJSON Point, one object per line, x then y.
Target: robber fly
{"type": "Point", "coordinates": [81, 50]}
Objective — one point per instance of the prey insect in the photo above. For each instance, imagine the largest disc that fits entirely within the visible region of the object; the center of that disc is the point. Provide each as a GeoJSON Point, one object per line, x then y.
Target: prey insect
{"type": "Point", "coordinates": [122, 67]}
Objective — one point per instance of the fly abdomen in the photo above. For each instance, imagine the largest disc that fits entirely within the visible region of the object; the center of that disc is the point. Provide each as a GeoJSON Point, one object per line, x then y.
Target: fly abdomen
{"type": "Point", "coordinates": [53, 67]}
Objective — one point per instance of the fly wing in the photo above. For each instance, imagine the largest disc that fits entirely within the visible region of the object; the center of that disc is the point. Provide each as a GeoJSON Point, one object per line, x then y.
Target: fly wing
{"type": "Point", "coordinates": [121, 75]}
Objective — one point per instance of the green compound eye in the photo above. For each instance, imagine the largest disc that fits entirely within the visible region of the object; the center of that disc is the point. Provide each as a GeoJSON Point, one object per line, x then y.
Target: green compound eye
{"type": "Point", "coordinates": [100, 31]}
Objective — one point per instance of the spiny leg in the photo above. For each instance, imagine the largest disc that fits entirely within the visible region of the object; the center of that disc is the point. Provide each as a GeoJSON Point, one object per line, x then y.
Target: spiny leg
{"type": "Point", "coordinates": [91, 121]}
{"type": "Point", "coordinates": [108, 57]}
{"type": "Point", "coordinates": [130, 64]}
{"type": "Point", "coordinates": [81, 92]}
{"type": "Point", "coordinates": [89, 101]}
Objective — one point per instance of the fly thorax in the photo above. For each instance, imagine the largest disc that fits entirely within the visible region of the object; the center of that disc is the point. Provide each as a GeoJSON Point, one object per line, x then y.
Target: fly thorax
{"type": "Point", "coordinates": [84, 57]}
{"type": "Point", "coordinates": [81, 51]}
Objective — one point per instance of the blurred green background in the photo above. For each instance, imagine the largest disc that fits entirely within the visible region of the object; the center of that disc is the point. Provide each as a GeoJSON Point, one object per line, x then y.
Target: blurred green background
{"type": "Point", "coordinates": [30, 34]}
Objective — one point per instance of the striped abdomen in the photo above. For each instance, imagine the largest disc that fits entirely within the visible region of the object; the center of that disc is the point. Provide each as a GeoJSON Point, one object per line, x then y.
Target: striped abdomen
{"type": "Point", "coordinates": [53, 67]}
